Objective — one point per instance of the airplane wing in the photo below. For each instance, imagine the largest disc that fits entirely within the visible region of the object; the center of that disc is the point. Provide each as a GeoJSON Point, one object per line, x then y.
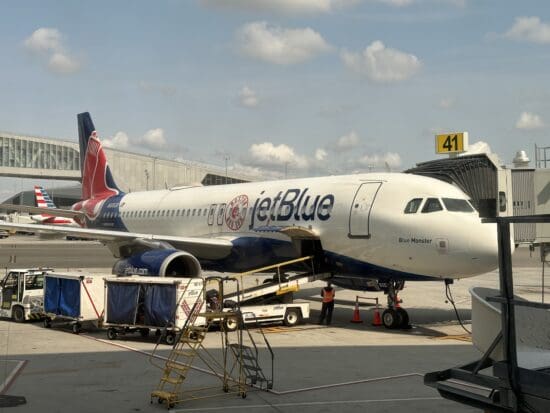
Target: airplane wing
{"type": "Point", "coordinates": [56, 212]}
{"type": "Point", "coordinates": [209, 247]}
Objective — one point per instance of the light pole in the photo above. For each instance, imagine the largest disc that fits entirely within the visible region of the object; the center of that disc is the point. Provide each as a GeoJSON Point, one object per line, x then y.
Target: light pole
{"type": "Point", "coordinates": [226, 158]}
{"type": "Point", "coordinates": [147, 180]}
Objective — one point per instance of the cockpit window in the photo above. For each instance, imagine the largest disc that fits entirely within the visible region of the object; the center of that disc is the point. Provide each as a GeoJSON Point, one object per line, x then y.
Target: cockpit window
{"type": "Point", "coordinates": [413, 205]}
{"type": "Point", "coordinates": [457, 205]}
{"type": "Point", "coordinates": [432, 205]}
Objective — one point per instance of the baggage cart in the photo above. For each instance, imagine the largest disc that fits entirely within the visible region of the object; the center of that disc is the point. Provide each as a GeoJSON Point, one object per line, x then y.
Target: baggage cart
{"type": "Point", "coordinates": [139, 304]}
{"type": "Point", "coordinates": [73, 298]}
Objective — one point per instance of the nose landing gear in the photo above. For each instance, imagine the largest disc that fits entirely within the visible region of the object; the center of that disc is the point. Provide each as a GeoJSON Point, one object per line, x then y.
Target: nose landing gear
{"type": "Point", "coordinates": [394, 316]}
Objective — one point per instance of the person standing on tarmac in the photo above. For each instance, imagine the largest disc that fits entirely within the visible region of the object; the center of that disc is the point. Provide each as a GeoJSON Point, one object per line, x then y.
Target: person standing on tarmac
{"type": "Point", "coordinates": [328, 303]}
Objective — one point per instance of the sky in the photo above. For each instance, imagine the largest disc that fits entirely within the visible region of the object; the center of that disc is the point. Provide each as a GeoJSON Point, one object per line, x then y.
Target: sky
{"type": "Point", "coordinates": [295, 87]}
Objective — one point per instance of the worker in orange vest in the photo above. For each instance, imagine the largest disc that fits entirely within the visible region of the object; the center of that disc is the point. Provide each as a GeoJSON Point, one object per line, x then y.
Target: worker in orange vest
{"type": "Point", "coordinates": [328, 303]}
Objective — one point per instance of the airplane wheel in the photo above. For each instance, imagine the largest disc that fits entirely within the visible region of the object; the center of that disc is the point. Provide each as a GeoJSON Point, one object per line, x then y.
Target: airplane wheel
{"type": "Point", "coordinates": [391, 318]}
{"type": "Point", "coordinates": [144, 332]}
{"type": "Point", "coordinates": [47, 323]}
{"type": "Point", "coordinates": [76, 328]}
{"type": "Point", "coordinates": [404, 318]}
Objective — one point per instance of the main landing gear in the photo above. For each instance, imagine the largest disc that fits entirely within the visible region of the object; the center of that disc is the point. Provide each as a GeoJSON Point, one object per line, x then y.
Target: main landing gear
{"type": "Point", "coordinates": [394, 316]}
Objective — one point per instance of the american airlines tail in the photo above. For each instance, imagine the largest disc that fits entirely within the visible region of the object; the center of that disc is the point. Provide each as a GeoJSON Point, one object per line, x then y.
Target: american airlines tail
{"type": "Point", "coordinates": [43, 199]}
{"type": "Point", "coordinates": [97, 180]}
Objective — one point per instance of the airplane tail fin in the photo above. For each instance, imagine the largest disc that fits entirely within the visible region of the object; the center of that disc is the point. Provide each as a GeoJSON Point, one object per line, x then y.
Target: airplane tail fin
{"type": "Point", "coordinates": [97, 180]}
{"type": "Point", "coordinates": [43, 199]}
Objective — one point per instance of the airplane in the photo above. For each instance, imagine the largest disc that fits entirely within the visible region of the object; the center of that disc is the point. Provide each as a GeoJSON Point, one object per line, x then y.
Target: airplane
{"type": "Point", "coordinates": [44, 201]}
{"type": "Point", "coordinates": [369, 231]}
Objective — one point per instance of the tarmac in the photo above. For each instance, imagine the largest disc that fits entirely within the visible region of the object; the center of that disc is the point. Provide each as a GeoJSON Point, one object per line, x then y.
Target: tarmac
{"type": "Point", "coordinates": [342, 367]}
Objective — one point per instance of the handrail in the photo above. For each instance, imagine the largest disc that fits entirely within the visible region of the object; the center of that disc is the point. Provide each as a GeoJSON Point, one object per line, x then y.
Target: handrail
{"type": "Point", "coordinates": [270, 267]}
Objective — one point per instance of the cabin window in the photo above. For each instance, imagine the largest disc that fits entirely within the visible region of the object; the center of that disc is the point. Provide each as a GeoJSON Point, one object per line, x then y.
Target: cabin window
{"type": "Point", "coordinates": [204, 211]}
{"type": "Point", "coordinates": [432, 205]}
{"type": "Point", "coordinates": [188, 211]}
{"type": "Point", "coordinates": [413, 205]}
{"type": "Point", "coordinates": [177, 212]}
{"type": "Point", "coordinates": [194, 212]}
{"type": "Point", "coordinates": [457, 205]}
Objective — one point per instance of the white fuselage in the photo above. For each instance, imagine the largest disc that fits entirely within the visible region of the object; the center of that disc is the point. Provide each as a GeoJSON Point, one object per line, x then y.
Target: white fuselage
{"type": "Point", "coordinates": [359, 219]}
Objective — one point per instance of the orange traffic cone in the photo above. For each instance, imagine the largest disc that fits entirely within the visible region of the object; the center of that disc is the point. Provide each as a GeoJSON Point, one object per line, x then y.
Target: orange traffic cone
{"type": "Point", "coordinates": [356, 316]}
{"type": "Point", "coordinates": [377, 320]}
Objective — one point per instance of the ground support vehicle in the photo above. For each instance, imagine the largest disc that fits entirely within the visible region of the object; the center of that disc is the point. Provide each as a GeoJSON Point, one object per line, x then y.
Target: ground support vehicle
{"type": "Point", "coordinates": [21, 296]}
{"type": "Point", "coordinates": [73, 298]}
{"type": "Point", "coordinates": [273, 300]}
{"type": "Point", "coordinates": [289, 314]}
{"type": "Point", "coordinates": [141, 304]}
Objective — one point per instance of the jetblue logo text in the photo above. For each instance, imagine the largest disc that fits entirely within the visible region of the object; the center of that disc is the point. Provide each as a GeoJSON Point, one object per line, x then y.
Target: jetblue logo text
{"type": "Point", "coordinates": [295, 204]}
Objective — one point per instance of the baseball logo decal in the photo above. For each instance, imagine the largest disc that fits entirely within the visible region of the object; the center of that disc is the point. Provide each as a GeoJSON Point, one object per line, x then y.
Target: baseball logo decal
{"type": "Point", "coordinates": [236, 212]}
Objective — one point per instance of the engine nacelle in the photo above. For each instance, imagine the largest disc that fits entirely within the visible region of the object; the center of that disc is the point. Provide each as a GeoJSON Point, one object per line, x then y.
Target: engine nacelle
{"type": "Point", "coordinates": [159, 262]}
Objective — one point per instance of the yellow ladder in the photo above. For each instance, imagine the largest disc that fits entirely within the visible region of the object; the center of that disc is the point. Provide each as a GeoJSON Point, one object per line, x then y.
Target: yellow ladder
{"type": "Point", "coordinates": [178, 364]}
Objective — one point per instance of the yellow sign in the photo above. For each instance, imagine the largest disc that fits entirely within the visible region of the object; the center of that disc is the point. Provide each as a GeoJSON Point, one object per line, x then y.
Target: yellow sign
{"type": "Point", "coordinates": [451, 142]}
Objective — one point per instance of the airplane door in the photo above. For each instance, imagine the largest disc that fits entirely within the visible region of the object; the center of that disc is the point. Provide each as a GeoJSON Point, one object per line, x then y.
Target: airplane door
{"type": "Point", "coordinates": [359, 218]}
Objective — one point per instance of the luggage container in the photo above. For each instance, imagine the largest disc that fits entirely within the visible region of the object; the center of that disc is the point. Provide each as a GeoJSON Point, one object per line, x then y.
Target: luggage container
{"type": "Point", "coordinates": [74, 298]}
{"type": "Point", "coordinates": [141, 304]}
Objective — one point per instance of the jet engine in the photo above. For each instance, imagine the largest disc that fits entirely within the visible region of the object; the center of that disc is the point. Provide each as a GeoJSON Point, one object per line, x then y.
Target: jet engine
{"type": "Point", "coordinates": [159, 262]}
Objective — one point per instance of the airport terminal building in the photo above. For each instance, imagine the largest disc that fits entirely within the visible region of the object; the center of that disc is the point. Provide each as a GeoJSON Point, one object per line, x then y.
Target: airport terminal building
{"type": "Point", "coordinates": [45, 158]}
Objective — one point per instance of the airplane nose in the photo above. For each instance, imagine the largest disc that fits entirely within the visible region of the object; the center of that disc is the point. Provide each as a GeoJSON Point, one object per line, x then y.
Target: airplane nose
{"type": "Point", "coordinates": [484, 248]}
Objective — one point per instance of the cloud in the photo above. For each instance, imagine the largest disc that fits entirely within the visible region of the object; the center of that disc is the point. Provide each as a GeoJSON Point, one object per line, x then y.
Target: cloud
{"type": "Point", "coordinates": [446, 103]}
{"type": "Point", "coordinates": [481, 147]}
{"type": "Point", "coordinates": [268, 155]}
{"type": "Point", "coordinates": [347, 142]}
{"type": "Point", "coordinates": [382, 65]}
{"type": "Point", "coordinates": [320, 154]}
{"type": "Point", "coordinates": [44, 40]}
{"type": "Point", "coordinates": [248, 98]}
{"type": "Point", "coordinates": [477, 147]}
{"type": "Point", "coordinates": [62, 63]}
{"type": "Point", "coordinates": [120, 141]}
{"type": "Point", "coordinates": [529, 121]}
{"type": "Point", "coordinates": [278, 45]}
{"type": "Point", "coordinates": [281, 6]}
{"type": "Point", "coordinates": [389, 159]}
{"type": "Point", "coordinates": [153, 139]}
{"type": "Point", "coordinates": [47, 43]}
{"type": "Point", "coordinates": [529, 29]}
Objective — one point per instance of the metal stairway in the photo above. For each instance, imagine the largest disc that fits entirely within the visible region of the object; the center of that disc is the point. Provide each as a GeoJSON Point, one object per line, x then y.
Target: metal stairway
{"type": "Point", "coordinates": [180, 360]}
{"type": "Point", "coordinates": [239, 367]}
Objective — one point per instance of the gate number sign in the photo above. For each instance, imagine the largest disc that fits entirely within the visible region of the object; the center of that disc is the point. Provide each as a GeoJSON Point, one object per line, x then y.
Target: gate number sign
{"type": "Point", "coordinates": [451, 142]}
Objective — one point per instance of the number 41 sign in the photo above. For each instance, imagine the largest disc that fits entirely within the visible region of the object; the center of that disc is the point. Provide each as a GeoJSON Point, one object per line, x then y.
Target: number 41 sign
{"type": "Point", "coordinates": [455, 142]}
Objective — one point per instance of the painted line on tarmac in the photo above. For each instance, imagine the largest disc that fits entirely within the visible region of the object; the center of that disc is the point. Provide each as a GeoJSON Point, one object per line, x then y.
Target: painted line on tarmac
{"type": "Point", "coordinates": [13, 375]}
{"type": "Point", "coordinates": [278, 393]}
{"type": "Point", "coordinates": [145, 353]}
{"type": "Point", "coordinates": [347, 383]}
{"type": "Point", "coordinates": [305, 404]}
